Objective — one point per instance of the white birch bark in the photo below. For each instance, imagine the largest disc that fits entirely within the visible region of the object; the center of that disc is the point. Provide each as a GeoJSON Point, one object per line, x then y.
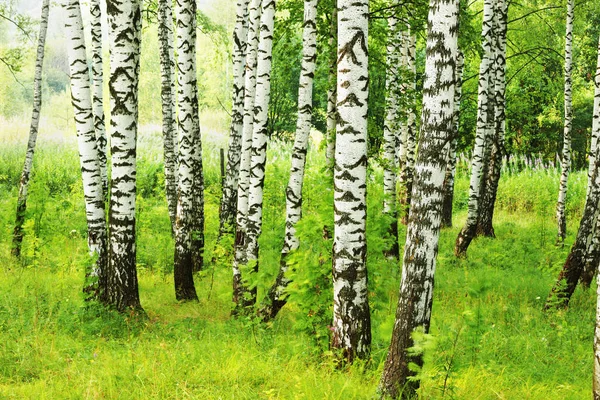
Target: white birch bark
{"type": "Point", "coordinates": [391, 121]}
{"type": "Point", "coordinates": [566, 151]}
{"type": "Point", "coordinates": [169, 102]}
{"type": "Point", "coordinates": [416, 289]}
{"type": "Point", "coordinates": [81, 97]}
{"type": "Point", "coordinates": [124, 33]}
{"type": "Point", "coordinates": [259, 136]}
{"type": "Point", "coordinates": [240, 254]}
{"type": "Point", "coordinates": [451, 168]}
{"type": "Point", "coordinates": [33, 132]}
{"type": "Point", "coordinates": [230, 182]}
{"type": "Point", "coordinates": [189, 138]}
{"type": "Point", "coordinates": [293, 192]}
{"type": "Point", "coordinates": [410, 141]}
{"type": "Point", "coordinates": [351, 324]}
{"type": "Point", "coordinates": [332, 90]}
{"type": "Point", "coordinates": [467, 233]}
{"type": "Point", "coordinates": [97, 89]}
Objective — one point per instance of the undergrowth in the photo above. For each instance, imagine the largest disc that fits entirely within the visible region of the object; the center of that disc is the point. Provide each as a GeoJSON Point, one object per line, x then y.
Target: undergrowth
{"type": "Point", "coordinates": [489, 338]}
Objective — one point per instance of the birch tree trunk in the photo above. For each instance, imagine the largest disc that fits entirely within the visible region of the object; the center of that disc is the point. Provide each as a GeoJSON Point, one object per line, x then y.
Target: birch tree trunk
{"type": "Point", "coordinates": [189, 156]}
{"type": "Point", "coordinates": [593, 251]}
{"type": "Point", "coordinates": [407, 172]}
{"type": "Point", "coordinates": [416, 289]}
{"type": "Point", "coordinates": [259, 138]}
{"type": "Point", "coordinates": [167, 93]}
{"type": "Point", "coordinates": [81, 97]}
{"type": "Point", "coordinates": [229, 193]}
{"type": "Point", "coordinates": [576, 260]}
{"type": "Point", "coordinates": [33, 131]}
{"type": "Point", "coordinates": [97, 90]}
{"type": "Point", "coordinates": [240, 244]}
{"type": "Point", "coordinates": [451, 168]}
{"type": "Point", "coordinates": [486, 213]}
{"type": "Point", "coordinates": [332, 90]}
{"type": "Point", "coordinates": [275, 298]}
{"type": "Point", "coordinates": [390, 130]}
{"type": "Point", "coordinates": [351, 327]}
{"type": "Point", "coordinates": [469, 231]}
{"type": "Point", "coordinates": [124, 20]}
{"type": "Point", "coordinates": [566, 152]}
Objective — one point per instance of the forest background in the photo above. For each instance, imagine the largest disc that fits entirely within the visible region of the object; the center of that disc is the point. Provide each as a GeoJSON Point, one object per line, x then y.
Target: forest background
{"type": "Point", "coordinates": [489, 337]}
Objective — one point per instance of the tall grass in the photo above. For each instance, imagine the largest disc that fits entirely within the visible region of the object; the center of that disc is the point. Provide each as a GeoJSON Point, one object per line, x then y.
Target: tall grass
{"type": "Point", "coordinates": [489, 337]}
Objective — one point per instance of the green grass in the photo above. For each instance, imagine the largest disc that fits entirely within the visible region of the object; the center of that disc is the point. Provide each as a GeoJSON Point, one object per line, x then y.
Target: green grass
{"type": "Point", "coordinates": [489, 338]}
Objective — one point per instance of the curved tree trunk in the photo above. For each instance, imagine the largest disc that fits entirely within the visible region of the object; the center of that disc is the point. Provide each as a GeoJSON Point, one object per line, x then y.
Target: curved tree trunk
{"type": "Point", "coordinates": [390, 130]}
{"type": "Point", "coordinates": [275, 300]}
{"type": "Point", "coordinates": [97, 90]}
{"type": "Point", "coordinates": [228, 206]}
{"type": "Point", "coordinates": [167, 93]}
{"type": "Point", "coordinates": [332, 90]}
{"type": "Point", "coordinates": [81, 97]}
{"type": "Point", "coordinates": [125, 22]}
{"type": "Point", "coordinates": [351, 327]}
{"type": "Point", "coordinates": [189, 156]}
{"type": "Point", "coordinates": [566, 152]}
{"type": "Point", "coordinates": [451, 168]}
{"type": "Point", "coordinates": [588, 227]}
{"type": "Point", "coordinates": [240, 245]}
{"type": "Point", "coordinates": [33, 131]}
{"type": "Point", "coordinates": [469, 231]}
{"type": "Point", "coordinates": [416, 290]}
{"type": "Point", "coordinates": [492, 178]}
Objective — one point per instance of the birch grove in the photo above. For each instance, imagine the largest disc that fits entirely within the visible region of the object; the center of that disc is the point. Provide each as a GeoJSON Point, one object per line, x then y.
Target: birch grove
{"type": "Point", "coordinates": [416, 288]}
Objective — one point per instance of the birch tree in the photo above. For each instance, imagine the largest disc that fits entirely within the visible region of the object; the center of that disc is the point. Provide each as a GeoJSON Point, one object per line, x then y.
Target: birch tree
{"type": "Point", "coordinates": [410, 139]}
{"type": "Point", "coordinates": [230, 182]}
{"type": "Point", "coordinates": [33, 132]}
{"type": "Point", "coordinates": [189, 152]}
{"type": "Point", "coordinates": [240, 253]}
{"type": "Point", "coordinates": [97, 89]}
{"type": "Point", "coordinates": [169, 102]}
{"type": "Point", "coordinates": [81, 98]}
{"type": "Point", "coordinates": [332, 90]}
{"type": "Point", "coordinates": [390, 129]}
{"type": "Point", "coordinates": [566, 151]}
{"type": "Point", "coordinates": [124, 20]}
{"type": "Point", "coordinates": [497, 123]}
{"type": "Point", "coordinates": [275, 298]}
{"type": "Point", "coordinates": [469, 230]}
{"type": "Point", "coordinates": [351, 326]}
{"type": "Point", "coordinates": [259, 138]}
{"type": "Point", "coordinates": [580, 251]}
{"type": "Point", "coordinates": [416, 289]}
{"type": "Point", "coordinates": [451, 168]}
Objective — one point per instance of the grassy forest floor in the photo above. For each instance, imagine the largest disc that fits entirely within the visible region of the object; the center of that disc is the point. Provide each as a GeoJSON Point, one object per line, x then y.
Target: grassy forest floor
{"type": "Point", "coordinates": [489, 338]}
